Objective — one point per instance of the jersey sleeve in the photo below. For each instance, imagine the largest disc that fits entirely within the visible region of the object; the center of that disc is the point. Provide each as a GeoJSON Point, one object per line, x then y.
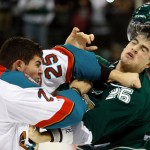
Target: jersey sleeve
{"type": "Point", "coordinates": [57, 68]}
{"type": "Point", "coordinates": [35, 106]}
{"type": "Point", "coordinates": [86, 65]}
{"type": "Point", "coordinates": [62, 63]}
{"type": "Point", "coordinates": [105, 72]}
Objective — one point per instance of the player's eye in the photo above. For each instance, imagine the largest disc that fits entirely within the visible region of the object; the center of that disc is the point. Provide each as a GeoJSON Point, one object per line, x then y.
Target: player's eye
{"type": "Point", "coordinates": [38, 65]}
{"type": "Point", "coordinates": [144, 50]}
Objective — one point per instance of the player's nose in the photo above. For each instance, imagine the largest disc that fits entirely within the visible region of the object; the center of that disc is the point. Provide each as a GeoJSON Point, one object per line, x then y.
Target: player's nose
{"type": "Point", "coordinates": [40, 70]}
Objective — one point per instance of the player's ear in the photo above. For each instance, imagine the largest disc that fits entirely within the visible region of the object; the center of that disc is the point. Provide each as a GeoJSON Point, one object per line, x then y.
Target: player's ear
{"type": "Point", "coordinates": [18, 65]}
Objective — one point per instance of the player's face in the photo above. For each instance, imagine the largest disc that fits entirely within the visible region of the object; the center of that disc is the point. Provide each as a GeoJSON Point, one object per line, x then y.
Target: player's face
{"type": "Point", "coordinates": [136, 55]}
{"type": "Point", "coordinates": [34, 69]}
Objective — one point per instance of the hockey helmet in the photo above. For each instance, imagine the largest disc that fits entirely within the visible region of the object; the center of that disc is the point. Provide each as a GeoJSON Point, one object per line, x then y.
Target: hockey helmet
{"type": "Point", "coordinates": [140, 22]}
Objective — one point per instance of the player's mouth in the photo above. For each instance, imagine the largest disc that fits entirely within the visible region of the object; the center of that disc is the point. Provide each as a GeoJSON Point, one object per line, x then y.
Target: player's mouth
{"type": "Point", "coordinates": [130, 55]}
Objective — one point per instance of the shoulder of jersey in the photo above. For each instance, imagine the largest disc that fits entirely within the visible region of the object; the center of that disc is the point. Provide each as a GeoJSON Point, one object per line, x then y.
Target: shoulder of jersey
{"type": "Point", "coordinates": [19, 78]}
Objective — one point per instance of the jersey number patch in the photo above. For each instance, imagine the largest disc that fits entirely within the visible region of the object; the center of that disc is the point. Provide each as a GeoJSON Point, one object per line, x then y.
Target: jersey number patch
{"type": "Point", "coordinates": [121, 93]}
{"type": "Point", "coordinates": [42, 93]}
{"type": "Point", "coordinates": [50, 60]}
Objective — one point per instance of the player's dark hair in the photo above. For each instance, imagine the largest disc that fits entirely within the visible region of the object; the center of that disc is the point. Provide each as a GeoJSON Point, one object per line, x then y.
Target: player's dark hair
{"type": "Point", "coordinates": [18, 48]}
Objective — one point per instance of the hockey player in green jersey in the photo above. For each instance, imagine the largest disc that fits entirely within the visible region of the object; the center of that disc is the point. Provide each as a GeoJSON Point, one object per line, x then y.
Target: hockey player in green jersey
{"type": "Point", "coordinates": [121, 117]}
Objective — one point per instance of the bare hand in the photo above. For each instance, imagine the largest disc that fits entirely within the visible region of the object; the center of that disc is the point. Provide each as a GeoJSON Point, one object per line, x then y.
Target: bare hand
{"type": "Point", "coordinates": [38, 137]}
{"type": "Point", "coordinates": [84, 86]}
{"type": "Point", "coordinates": [131, 80]}
{"type": "Point", "coordinates": [80, 39]}
{"type": "Point", "coordinates": [126, 79]}
{"type": "Point", "coordinates": [33, 133]}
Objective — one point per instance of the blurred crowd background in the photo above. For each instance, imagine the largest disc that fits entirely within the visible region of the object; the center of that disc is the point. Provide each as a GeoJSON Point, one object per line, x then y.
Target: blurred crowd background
{"type": "Point", "coordinates": [49, 22]}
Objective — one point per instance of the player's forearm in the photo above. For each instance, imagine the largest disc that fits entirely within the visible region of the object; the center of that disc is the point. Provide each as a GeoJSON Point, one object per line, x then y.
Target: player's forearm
{"type": "Point", "coordinates": [126, 79]}
{"type": "Point", "coordinates": [115, 75]}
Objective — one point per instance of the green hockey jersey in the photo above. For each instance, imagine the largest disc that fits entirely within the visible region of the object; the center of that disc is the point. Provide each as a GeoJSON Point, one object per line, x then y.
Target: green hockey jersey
{"type": "Point", "coordinates": [121, 117]}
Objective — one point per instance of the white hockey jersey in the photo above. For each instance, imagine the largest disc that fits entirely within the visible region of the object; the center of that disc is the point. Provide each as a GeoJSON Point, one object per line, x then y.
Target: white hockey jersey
{"type": "Point", "coordinates": [25, 103]}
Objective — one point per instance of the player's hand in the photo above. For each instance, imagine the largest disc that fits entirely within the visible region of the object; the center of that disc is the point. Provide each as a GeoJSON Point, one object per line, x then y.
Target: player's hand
{"type": "Point", "coordinates": [80, 40]}
{"type": "Point", "coordinates": [126, 79]}
{"type": "Point", "coordinates": [82, 85]}
{"type": "Point", "coordinates": [33, 133]}
{"type": "Point", "coordinates": [37, 136]}
{"type": "Point", "coordinates": [131, 80]}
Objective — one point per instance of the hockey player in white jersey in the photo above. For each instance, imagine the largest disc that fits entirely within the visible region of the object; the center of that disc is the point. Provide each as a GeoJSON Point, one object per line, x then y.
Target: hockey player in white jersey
{"type": "Point", "coordinates": [25, 102]}
{"type": "Point", "coordinates": [46, 110]}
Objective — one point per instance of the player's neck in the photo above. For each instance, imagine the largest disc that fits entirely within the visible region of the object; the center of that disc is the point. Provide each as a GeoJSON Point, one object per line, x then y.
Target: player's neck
{"type": "Point", "coordinates": [123, 67]}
